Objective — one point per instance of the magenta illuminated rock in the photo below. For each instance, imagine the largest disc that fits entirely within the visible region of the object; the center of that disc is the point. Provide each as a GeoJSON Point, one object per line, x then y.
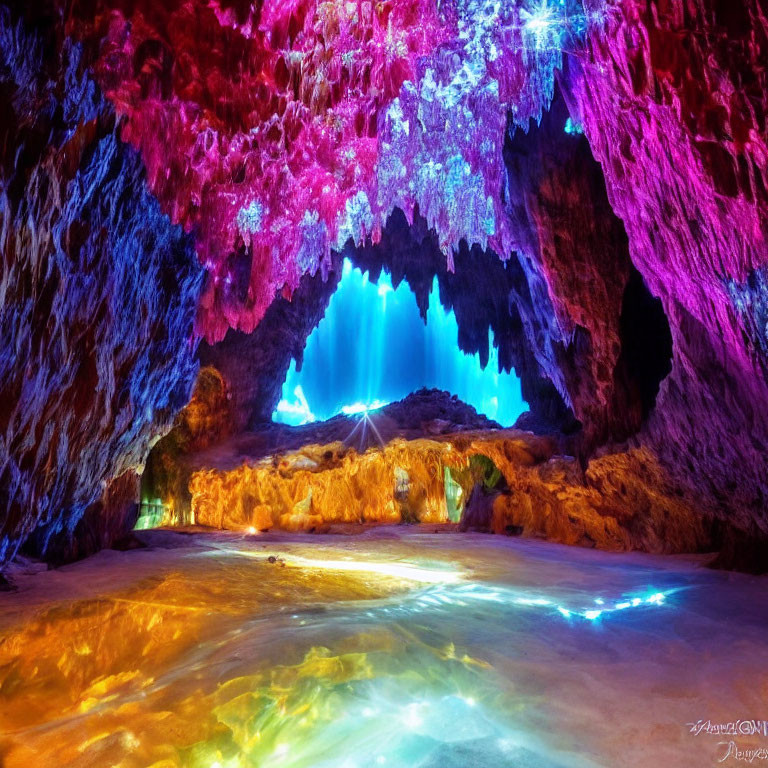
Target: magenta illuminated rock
{"type": "Point", "coordinates": [337, 114]}
{"type": "Point", "coordinates": [673, 101]}
{"type": "Point", "coordinates": [587, 184]}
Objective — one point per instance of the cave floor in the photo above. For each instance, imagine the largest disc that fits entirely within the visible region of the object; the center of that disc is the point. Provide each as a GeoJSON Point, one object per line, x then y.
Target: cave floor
{"type": "Point", "coordinates": [395, 647]}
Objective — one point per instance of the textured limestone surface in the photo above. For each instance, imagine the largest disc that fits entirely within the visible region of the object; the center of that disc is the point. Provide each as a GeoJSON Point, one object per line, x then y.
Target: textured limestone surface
{"type": "Point", "coordinates": [425, 459]}
{"type": "Point", "coordinates": [98, 293]}
{"type": "Point", "coordinates": [621, 502]}
{"type": "Point", "coordinates": [589, 184]}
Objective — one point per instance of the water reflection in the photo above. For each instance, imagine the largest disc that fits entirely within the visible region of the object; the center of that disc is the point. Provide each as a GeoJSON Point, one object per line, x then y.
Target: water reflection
{"type": "Point", "coordinates": [409, 651]}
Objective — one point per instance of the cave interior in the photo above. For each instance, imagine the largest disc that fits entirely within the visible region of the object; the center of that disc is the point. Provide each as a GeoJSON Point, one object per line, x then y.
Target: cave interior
{"type": "Point", "coordinates": [326, 325]}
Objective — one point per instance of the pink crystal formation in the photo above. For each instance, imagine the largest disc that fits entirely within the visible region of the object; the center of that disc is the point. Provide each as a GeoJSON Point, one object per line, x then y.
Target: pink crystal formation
{"type": "Point", "coordinates": [302, 124]}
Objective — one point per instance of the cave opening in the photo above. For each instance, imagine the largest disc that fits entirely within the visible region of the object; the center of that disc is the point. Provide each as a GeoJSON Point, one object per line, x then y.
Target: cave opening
{"type": "Point", "coordinates": [373, 348]}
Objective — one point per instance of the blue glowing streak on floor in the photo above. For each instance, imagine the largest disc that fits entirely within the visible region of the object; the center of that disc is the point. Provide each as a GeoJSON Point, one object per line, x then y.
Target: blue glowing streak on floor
{"type": "Point", "coordinates": [373, 348]}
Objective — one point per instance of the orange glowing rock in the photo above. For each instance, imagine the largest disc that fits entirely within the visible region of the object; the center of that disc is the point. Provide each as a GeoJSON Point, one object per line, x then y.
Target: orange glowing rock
{"type": "Point", "coordinates": [535, 491]}
{"type": "Point", "coordinates": [326, 484]}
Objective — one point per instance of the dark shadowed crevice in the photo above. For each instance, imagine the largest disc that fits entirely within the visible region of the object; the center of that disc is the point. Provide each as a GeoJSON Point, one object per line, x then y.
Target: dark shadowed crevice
{"type": "Point", "coordinates": [646, 341]}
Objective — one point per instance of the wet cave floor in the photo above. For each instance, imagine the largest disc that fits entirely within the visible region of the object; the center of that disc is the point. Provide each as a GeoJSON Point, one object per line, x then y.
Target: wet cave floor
{"type": "Point", "coordinates": [395, 647]}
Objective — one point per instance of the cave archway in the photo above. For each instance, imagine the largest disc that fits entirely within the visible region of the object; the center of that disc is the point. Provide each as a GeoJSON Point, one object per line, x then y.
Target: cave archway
{"type": "Point", "coordinates": [499, 319]}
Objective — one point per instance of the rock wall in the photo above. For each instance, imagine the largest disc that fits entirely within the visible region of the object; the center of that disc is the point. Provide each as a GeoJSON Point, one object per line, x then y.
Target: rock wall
{"type": "Point", "coordinates": [106, 522]}
{"type": "Point", "coordinates": [583, 286]}
{"type": "Point", "coordinates": [630, 295]}
{"type": "Point", "coordinates": [623, 501]}
{"type": "Point", "coordinates": [673, 99]}
{"type": "Point", "coordinates": [207, 419]}
{"type": "Point", "coordinates": [98, 293]}
{"type": "Point", "coordinates": [255, 365]}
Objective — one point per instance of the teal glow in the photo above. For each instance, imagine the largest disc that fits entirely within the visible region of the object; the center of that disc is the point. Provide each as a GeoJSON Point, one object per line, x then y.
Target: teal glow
{"type": "Point", "coordinates": [572, 128]}
{"type": "Point", "coordinates": [372, 348]}
{"type": "Point", "coordinates": [151, 515]}
{"type": "Point", "coordinates": [464, 594]}
{"type": "Point", "coordinates": [453, 494]}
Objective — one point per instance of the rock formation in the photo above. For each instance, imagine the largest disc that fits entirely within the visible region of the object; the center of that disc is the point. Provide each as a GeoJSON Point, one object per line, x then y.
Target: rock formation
{"type": "Point", "coordinates": [99, 292]}
{"type": "Point", "coordinates": [623, 501]}
{"type": "Point", "coordinates": [673, 100]}
{"type": "Point", "coordinates": [588, 181]}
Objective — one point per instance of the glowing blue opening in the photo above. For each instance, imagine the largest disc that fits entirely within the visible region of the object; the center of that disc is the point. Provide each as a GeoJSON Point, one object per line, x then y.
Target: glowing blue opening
{"type": "Point", "coordinates": [372, 348]}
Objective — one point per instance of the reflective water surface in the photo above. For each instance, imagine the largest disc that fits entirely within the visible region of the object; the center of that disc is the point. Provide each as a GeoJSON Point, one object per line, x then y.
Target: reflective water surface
{"type": "Point", "coordinates": [397, 647]}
